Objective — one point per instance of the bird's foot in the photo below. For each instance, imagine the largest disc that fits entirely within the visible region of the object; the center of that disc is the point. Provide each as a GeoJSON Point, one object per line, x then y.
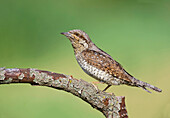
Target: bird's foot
{"type": "Point", "coordinates": [95, 86]}
{"type": "Point", "coordinates": [106, 88]}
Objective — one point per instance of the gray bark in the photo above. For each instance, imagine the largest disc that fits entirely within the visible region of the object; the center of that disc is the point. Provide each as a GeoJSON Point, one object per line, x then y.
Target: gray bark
{"type": "Point", "coordinates": [110, 105]}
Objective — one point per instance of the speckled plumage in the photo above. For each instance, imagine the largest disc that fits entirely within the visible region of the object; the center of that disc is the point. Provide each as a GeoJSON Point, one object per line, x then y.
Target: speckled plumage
{"type": "Point", "coordinates": [99, 64]}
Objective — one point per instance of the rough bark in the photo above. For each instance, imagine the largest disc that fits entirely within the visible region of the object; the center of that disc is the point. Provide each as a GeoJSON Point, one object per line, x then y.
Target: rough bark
{"type": "Point", "coordinates": [110, 105]}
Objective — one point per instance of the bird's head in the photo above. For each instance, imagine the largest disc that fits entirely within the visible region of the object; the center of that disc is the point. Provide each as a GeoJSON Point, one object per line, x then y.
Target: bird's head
{"type": "Point", "coordinates": [79, 39]}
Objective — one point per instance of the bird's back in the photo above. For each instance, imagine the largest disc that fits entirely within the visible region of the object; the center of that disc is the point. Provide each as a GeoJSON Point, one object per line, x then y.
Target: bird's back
{"type": "Point", "coordinates": [103, 67]}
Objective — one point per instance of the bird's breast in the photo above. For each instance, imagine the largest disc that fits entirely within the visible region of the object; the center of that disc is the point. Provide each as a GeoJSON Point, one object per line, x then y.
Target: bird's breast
{"type": "Point", "coordinates": [97, 73]}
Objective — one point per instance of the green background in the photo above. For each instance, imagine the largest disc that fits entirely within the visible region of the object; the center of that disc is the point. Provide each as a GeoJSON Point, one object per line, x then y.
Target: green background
{"type": "Point", "coordinates": [136, 33]}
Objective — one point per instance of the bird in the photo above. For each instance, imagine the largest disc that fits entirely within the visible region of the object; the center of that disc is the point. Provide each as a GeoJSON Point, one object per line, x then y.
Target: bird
{"type": "Point", "coordinates": [100, 65]}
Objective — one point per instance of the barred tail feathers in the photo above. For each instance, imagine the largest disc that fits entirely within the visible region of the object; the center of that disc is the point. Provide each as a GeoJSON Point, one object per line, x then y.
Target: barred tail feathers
{"type": "Point", "coordinates": [145, 85]}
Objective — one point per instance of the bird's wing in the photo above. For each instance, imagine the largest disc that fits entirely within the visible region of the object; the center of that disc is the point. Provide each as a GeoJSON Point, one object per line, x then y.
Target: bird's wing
{"type": "Point", "coordinates": [104, 62]}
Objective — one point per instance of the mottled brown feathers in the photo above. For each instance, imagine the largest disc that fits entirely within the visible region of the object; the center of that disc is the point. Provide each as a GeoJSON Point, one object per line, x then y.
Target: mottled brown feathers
{"type": "Point", "coordinates": [99, 64]}
{"type": "Point", "coordinates": [106, 64]}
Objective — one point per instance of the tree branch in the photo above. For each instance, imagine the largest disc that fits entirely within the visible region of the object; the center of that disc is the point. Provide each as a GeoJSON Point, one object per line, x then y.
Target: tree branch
{"type": "Point", "coordinates": [110, 105]}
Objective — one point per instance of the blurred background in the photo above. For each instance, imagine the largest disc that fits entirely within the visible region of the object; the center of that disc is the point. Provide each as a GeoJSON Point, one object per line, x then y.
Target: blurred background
{"type": "Point", "coordinates": [136, 33]}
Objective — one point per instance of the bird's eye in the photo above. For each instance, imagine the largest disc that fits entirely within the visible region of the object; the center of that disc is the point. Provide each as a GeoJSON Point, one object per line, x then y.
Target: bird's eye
{"type": "Point", "coordinates": [77, 34]}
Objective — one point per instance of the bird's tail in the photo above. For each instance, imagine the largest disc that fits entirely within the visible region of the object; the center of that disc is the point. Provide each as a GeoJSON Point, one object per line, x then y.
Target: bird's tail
{"type": "Point", "coordinates": [145, 85]}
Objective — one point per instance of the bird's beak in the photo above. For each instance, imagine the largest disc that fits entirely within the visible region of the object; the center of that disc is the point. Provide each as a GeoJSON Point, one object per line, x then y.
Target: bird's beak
{"type": "Point", "coordinates": [68, 35]}
{"type": "Point", "coordinates": [65, 33]}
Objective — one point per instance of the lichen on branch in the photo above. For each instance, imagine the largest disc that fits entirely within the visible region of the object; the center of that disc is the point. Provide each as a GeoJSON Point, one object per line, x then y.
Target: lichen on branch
{"type": "Point", "coordinates": [110, 105]}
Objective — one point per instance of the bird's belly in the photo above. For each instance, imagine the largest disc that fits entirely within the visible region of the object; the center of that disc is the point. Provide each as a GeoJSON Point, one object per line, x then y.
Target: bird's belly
{"type": "Point", "coordinates": [97, 73]}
